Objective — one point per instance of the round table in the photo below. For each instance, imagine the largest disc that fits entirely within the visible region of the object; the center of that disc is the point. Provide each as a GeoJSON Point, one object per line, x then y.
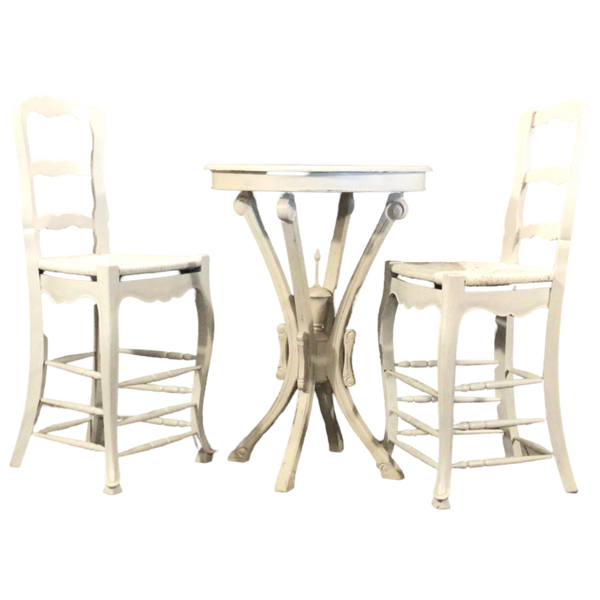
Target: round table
{"type": "Point", "coordinates": [316, 346]}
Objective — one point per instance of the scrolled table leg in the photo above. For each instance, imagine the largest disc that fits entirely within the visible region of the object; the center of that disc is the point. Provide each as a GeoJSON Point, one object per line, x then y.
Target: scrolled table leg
{"type": "Point", "coordinates": [245, 205]}
{"type": "Point", "coordinates": [287, 213]}
{"type": "Point", "coordinates": [395, 209]}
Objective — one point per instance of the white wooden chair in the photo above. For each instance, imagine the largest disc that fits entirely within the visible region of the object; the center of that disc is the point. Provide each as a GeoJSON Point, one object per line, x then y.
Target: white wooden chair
{"type": "Point", "coordinates": [450, 293]}
{"type": "Point", "coordinates": [104, 280]}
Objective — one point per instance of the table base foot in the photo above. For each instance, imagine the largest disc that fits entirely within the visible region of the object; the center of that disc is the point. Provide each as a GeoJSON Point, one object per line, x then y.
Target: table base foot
{"type": "Point", "coordinates": [240, 454]}
{"type": "Point", "coordinates": [204, 457]}
{"type": "Point", "coordinates": [391, 471]}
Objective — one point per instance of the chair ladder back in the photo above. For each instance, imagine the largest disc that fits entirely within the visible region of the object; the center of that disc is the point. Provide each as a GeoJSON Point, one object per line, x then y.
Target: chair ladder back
{"type": "Point", "coordinates": [515, 231]}
{"type": "Point", "coordinates": [51, 107]}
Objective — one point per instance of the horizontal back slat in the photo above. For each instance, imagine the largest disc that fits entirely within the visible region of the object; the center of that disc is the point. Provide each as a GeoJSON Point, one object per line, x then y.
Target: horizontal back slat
{"type": "Point", "coordinates": [567, 112]}
{"type": "Point", "coordinates": [56, 168]}
{"type": "Point", "coordinates": [545, 230]}
{"type": "Point", "coordinates": [63, 221]}
{"type": "Point", "coordinates": [52, 107]}
{"type": "Point", "coordinates": [556, 175]}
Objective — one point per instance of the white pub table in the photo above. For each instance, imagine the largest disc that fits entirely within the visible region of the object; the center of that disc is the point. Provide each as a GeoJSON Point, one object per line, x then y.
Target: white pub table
{"type": "Point", "coordinates": [315, 344]}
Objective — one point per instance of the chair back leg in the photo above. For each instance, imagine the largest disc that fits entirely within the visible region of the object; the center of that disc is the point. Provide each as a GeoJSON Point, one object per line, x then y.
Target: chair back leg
{"type": "Point", "coordinates": [503, 353]}
{"type": "Point", "coordinates": [551, 392]}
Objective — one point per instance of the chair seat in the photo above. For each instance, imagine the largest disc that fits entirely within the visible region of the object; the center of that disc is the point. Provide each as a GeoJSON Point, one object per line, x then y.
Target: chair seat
{"type": "Point", "coordinates": [476, 273]}
{"type": "Point", "coordinates": [129, 264]}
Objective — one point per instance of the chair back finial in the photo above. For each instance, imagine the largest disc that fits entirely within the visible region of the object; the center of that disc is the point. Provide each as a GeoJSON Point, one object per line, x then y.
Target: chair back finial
{"type": "Point", "coordinates": [515, 231]}
{"type": "Point", "coordinates": [51, 107]}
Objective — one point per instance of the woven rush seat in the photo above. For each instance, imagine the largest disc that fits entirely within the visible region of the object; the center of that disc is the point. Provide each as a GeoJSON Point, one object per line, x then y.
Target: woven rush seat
{"type": "Point", "coordinates": [478, 272]}
{"type": "Point", "coordinates": [129, 263]}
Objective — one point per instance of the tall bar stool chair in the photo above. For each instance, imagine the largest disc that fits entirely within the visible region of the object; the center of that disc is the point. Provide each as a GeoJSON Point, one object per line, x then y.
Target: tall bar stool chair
{"type": "Point", "coordinates": [104, 279]}
{"type": "Point", "coordinates": [452, 295]}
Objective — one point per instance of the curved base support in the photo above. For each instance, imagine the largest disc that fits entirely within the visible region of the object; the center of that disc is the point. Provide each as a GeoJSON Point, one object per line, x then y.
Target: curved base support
{"type": "Point", "coordinates": [202, 459]}
{"type": "Point", "coordinates": [112, 491]}
{"type": "Point", "coordinates": [324, 393]}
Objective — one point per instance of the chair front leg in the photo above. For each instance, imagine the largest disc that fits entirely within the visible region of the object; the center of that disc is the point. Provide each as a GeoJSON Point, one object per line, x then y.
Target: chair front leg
{"type": "Point", "coordinates": [385, 323]}
{"type": "Point", "coordinates": [206, 332]}
{"type": "Point", "coordinates": [453, 290]}
{"type": "Point", "coordinates": [109, 300]}
{"type": "Point", "coordinates": [38, 354]}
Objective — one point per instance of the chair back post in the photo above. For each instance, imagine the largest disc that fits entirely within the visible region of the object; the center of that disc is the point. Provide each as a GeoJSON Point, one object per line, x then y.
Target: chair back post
{"type": "Point", "coordinates": [33, 223]}
{"type": "Point", "coordinates": [561, 232]}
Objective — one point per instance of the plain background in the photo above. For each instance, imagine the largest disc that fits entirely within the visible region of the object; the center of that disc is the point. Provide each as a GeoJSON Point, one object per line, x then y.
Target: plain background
{"type": "Point", "coordinates": [160, 134]}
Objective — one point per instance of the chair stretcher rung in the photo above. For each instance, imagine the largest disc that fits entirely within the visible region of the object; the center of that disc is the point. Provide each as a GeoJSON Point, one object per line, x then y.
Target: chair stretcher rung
{"type": "Point", "coordinates": [73, 357]}
{"type": "Point", "coordinates": [420, 364]}
{"type": "Point", "coordinates": [158, 354]}
{"type": "Point", "coordinates": [457, 399]}
{"type": "Point", "coordinates": [76, 370]}
{"type": "Point", "coordinates": [70, 442]}
{"type": "Point", "coordinates": [419, 385]}
{"type": "Point", "coordinates": [532, 446]}
{"type": "Point", "coordinates": [86, 408]}
{"type": "Point", "coordinates": [159, 422]}
{"type": "Point", "coordinates": [65, 425]}
{"type": "Point", "coordinates": [524, 374]}
{"type": "Point", "coordinates": [153, 414]}
{"type": "Point", "coordinates": [411, 432]}
{"type": "Point", "coordinates": [416, 453]}
{"type": "Point", "coordinates": [168, 389]}
{"type": "Point", "coordinates": [492, 423]}
{"type": "Point", "coordinates": [495, 462]}
{"type": "Point", "coordinates": [158, 376]}
{"type": "Point", "coordinates": [416, 421]}
{"type": "Point", "coordinates": [157, 443]}
{"type": "Point", "coordinates": [495, 385]}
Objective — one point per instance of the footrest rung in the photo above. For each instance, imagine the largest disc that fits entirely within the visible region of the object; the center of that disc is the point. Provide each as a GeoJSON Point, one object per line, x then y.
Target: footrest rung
{"type": "Point", "coordinates": [70, 442]}
{"type": "Point", "coordinates": [420, 364]}
{"type": "Point", "coordinates": [158, 354]}
{"type": "Point", "coordinates": [75, 370]}
{"type": "Point", "coordinates": [495, 424]}
{"type": "Point", "coordinates": [416, 453]}
{"type": "Point", "coordinates": [177, 423]}
{"type": "Point", "coordinates": [168, 389]}
{"type": "Point", "coordinates": [416, 423]}
{"type": "Point", "coordinates": [73, 357]}
{"type": "Point", "coordinates": [457, 399]}
{"type": "Point", "coordinates": [419, 385]}
{"type": "Point", "coordinates": [153, 414]}
{"type": "Point", "coordinates": [65, 425]}
{"type": "Point", "coordinates": [494, 462]}
{"type": "Point", "coordinates": [532, 448]}
{"type": "Point", "coordinates": [495, 385]}
{"type": "Point", "coordinates": [158, 376]}
{"type": "Point", "coordinates": [157, 444]}
{"type": "Point", "coordinates": [86, 408]}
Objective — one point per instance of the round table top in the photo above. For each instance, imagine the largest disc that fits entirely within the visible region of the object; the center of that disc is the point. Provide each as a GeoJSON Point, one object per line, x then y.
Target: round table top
{"type": "Point", "coordinates": [329, 166]}
{"type": "Point", "coordinates": [319, 178]}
